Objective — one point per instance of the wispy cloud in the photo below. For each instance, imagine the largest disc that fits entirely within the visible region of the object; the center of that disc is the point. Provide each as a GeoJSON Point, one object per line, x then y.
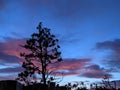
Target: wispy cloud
{"type": "Point", "coordinates": [11, 70]}
{"type": "Point", "coordinates": [113, 58]}
{"type": "Point", "coordinates": [8, 77]}
{"type": "Point", "coordinates": [12, 46]}
{"type": "Point", "coordinates": [95, 71]}
{"type": "Point", "coordinates": [71, 66]}
{"type": "Point", "coordinates": [10, 50]}
{"type": "Point", "coordinates": [6, 58]}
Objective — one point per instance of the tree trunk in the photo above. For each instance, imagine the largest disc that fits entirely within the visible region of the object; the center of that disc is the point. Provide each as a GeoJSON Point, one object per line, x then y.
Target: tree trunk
{"type": "Point", "coordinates": [44, 74]}
{"type": "Point", "coordinates": [44, 79]}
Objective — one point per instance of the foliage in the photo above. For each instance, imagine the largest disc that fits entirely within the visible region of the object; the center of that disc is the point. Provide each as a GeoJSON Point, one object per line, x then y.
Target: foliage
{"type": "Point", "coordinates": [106, 84]}
{"type": "Point", "coordinates": [42, 51]}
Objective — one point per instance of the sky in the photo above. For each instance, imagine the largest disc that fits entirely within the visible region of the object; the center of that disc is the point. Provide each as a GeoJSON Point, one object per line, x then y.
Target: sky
{"type": "Point", "coordinates": [88, 33]}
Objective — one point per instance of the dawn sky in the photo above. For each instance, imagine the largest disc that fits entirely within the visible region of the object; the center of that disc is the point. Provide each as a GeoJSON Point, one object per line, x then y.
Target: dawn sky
{"type": "Point", "coordinates": [88, 31]}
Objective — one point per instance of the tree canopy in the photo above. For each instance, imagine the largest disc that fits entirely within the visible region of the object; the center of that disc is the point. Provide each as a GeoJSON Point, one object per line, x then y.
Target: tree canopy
{"type": "Point", "coordinates": [42, 50]}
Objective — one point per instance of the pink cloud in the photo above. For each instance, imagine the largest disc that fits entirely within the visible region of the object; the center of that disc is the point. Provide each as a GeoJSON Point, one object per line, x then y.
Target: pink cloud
{"type": "Point", "coordinates": [73, 64]}
{"type": "Point", "coordinates": [12, 47]}
{"type": "Point", "coordinates": [10, 50]}
{"type": "Point", "coordinates": [69, 66]}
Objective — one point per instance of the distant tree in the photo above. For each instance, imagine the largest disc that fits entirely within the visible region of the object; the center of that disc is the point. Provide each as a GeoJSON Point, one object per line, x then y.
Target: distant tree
{"type": "Point", "coordinates": [111, 85]}
{"type": "Point", "coordinates": [42, 50]}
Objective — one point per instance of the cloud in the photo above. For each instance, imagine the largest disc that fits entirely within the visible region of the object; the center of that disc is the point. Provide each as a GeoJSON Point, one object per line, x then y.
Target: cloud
{"type": "Point", "coordinates": [11, 70]}
{"type": "Point", "coordinates": [113, 57]}
{"type": "Point", "coordinates": [70, 66]}
{"type": "Point", "coordinates": [5, 58]}
{"type": "Point", "coordinates": [10, 50]}
{"type": "Point", "coordinates": [9, 77]}
{"type": "Point", "coordinates": [73, 64]}
{"type": "Point", "coordinates": [12, 46]}
{"type": "Point", "coordinates": [67, 67]}
{"type": "Point", "coordinates": [9, 53]}
{"type": "Point", "coordinates": [81, 68]}
{"type": "Point", "coordinates": [95, 71]}
{"type": "Point", "coordinates": [113, 45]}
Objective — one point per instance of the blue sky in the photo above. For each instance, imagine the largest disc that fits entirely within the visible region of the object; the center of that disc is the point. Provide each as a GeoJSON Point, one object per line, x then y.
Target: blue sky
{"type": "Point", "coordinates": [88, 30]}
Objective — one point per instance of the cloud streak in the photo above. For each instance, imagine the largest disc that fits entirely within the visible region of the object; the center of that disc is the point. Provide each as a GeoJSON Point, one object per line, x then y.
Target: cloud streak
{"type": "Point", "coordinates": [95, 71]}
{"type": "Point", "coordinates": [10, 50]}
{"type": "Point", "coordinates": [9, 58]}
{"type": "Point", "coordinates": [113, 58]}
{"type": "Point", "coordinates": [11, 70]}
{"type": "Point", "coordinates": [71, 66]}
{"type": "Point", "coordinates": [12, 46]}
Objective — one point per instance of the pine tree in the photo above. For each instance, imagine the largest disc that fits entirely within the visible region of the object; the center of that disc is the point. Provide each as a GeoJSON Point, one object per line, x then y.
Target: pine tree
{"type": "Point", "coordinates": [43, 49]}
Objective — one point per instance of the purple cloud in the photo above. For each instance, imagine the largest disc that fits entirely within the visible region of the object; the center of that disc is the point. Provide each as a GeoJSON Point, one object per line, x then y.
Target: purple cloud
{"type": "Point", "coordinates": [8, 77]}
{"type": "Point", "coordinates": [10, 54]}
{"type": "Point", "coordinates": [113, 58]}
{"type": "Point", "coordinates": [11, 70]}
{"type": "Point", "coordinates": [12, 46]}
{"type": "Point", "coordinates": [10, 49]}
{"type": "Point", "coordinates": [95, 71]}
{"type": "Point", "coordinates": [5, 58]}
{"type": "Point", "coordinates": [114, 45]}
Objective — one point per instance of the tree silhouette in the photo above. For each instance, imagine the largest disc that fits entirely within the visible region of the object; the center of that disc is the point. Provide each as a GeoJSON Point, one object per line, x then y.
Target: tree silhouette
{"type": "Point", "coordinates": [42, 50]}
